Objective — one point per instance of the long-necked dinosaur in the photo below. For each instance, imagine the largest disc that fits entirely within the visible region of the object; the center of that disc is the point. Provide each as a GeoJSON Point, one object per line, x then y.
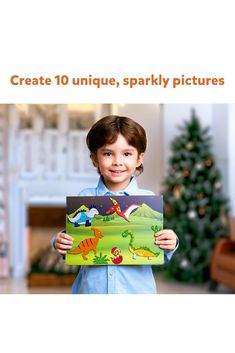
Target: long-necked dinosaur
{"type": "Point", "coordinates": [83, 217]}
{"type": "Point", "coordinates": [142, 250]}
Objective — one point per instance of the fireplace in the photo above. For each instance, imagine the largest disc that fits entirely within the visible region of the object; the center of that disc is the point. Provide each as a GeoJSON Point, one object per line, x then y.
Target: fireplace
{"type": "Point", "coordinates": [45, 266]}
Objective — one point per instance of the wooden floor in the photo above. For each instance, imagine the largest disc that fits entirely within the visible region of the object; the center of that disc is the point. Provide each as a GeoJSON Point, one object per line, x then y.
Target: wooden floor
{"type": "Point", "coordinates": [9, 286]}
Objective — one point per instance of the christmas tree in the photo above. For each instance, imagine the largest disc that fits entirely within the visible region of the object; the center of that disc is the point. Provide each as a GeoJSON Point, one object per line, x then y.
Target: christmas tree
{"type": "Point", "coordinates": [195, 207]}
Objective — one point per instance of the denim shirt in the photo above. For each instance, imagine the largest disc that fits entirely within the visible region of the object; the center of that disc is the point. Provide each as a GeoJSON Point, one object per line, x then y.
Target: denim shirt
{"type": "Point", "coordinates": [133, 279]}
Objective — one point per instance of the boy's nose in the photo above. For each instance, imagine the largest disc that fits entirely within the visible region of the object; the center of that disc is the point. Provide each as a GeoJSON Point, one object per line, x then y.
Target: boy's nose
{"type": "Point", "coordinates": [117, 160]}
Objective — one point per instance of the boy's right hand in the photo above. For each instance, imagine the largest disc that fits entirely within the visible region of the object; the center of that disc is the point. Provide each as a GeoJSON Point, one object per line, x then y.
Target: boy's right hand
{"type": "Point", "coordinates": [62, 243]}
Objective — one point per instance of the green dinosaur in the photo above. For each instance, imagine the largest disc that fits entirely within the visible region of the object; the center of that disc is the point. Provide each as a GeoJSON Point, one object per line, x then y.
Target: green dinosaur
{"type": "Point", "coordinates": [142, 250]}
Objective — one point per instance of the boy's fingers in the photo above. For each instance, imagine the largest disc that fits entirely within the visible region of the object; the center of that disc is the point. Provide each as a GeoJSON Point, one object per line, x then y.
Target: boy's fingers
{"type": "Point", "coordinates": [65, 241]}
{"type": "Point", "coordinates": [63, 246]}
{"type": "Point", "coordinates": [166, 247]}
{"type": "Point", "coordinates": [62, 252]}
{"type": "Point", "coordinates": [66, 236]}
{"type": "Point", "coordinates": [163, 242]}
{"type": "Point", "coordinates": [164, 237]}
{"type": "Point", "coordinates": [165, 232]}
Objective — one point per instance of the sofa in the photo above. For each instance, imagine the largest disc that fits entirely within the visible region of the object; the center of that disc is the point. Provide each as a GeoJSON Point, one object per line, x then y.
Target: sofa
{"type": "Point", "coordinates": [222, 270]}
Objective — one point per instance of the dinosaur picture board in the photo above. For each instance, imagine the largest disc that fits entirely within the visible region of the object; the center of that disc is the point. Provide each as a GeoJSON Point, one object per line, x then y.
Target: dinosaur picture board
{"type": "Point", "coordinates": [117, 230]}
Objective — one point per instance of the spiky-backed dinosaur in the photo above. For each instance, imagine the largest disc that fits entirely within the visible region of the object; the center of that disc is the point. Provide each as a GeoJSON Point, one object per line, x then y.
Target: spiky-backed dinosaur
{"type": "Point", "coordinates": [142, 250]}
{"type": "Point", "coordinates": [88, 244]}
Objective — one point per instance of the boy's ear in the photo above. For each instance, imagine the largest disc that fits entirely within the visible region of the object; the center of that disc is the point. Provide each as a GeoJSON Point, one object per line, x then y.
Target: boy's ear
{"type": "Point", "coordinates": [140, 159]}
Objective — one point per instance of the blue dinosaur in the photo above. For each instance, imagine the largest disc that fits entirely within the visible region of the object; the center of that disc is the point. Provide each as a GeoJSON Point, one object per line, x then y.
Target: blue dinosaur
{"type": "Point", "coordinates": [83, 217]}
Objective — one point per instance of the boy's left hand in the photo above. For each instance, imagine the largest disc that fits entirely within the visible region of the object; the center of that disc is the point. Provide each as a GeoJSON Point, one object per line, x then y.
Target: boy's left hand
{"type": "Point", "coordinates": [166, 239]}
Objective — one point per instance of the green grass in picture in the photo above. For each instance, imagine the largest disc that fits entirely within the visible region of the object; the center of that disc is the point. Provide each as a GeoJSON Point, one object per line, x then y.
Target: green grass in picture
{"type": "Point", "coordinates": [142, 231]}
{"type": "Point", "coordinates": [101, 259]}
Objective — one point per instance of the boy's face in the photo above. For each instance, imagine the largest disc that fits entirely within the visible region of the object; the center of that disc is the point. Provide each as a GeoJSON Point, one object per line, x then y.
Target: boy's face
{"type": "Point", "coordinates": [117, 163]}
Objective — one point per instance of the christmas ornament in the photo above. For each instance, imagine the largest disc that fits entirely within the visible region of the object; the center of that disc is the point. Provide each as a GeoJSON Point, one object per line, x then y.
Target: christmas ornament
{"type": "Point", "coordinates": [199, 166]}
{"type": "Point", "coordinates": [178, 175]}
{"type": "Point", "coordinates": [218, 185]}
{"type": "Point", "coordinates": [186, 173]}
{"type": "Point", "coordinates": [200, 196]}
{"type": "Point", "coordinates": [209, 163]}
{"type": "Point", "coordinates": [189, 145]}
{"type": "Point", "coordinates": [202, 211]}
{"type": "Point", "coordinates": [184, 263]}
{"type": "Point", "coordinates": [223, 218]}
{"type": "Point", "coordinates": [192, 214]}
{"type": "Point", "coordinates": [168, 210]}
{"type": "Point", "coordinates": [177, 192]}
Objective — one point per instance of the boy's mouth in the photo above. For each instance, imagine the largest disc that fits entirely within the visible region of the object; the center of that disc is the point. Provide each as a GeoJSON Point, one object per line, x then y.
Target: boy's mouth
{"type": "Point", "coordinates": [117, 171]}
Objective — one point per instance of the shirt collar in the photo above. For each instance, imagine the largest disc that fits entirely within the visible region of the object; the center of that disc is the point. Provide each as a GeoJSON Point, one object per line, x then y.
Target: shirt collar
{"type": "Point", "coordinates": [131, 189]}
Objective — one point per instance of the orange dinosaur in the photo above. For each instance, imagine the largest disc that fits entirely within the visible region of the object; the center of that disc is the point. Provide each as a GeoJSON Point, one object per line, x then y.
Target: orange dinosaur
{"type": "Point", "coordinates": [86, 245]}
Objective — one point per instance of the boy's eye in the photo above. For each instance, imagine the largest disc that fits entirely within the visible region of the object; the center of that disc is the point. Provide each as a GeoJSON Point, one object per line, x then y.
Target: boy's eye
{"type": "Point", "coordinates": [107, 154]}
{"type": "Point", "coordinates": [126, 154]}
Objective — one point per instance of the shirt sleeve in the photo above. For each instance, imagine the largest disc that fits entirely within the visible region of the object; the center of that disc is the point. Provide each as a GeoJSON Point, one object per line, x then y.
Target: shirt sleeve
{"type": "Point", "coordinates": [53, 242]}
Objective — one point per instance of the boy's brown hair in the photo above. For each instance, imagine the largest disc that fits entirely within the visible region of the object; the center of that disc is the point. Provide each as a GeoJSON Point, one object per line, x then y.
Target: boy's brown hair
{"type": "Point", "coordinates": [106, 130]}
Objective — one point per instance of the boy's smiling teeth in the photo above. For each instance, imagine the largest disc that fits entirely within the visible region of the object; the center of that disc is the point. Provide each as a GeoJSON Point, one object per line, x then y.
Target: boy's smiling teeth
{"type": "Point", "coordinates": [117, 171]}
